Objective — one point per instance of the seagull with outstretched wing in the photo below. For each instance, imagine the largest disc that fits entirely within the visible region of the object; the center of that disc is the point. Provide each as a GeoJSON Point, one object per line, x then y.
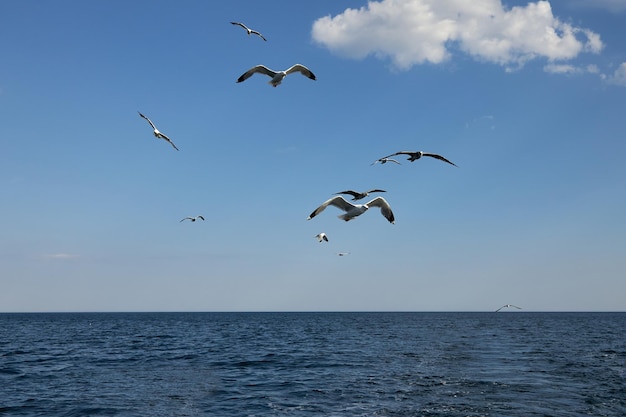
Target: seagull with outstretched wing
{"type": "Point", "coordinates": [384, 161]}
{"type": "Point", "coordinates": [507, 306]}
{"type": "Point", "coordinates": [250, 31]}
{"type": "Point", "coordinates": [277, 76]}
{"type": "Point", "coordinates": [355, 210]}
{"type": "Point", "coordinates": [193, 219]}
{"type": "Point", "coordinates": [156, 132]}
{"type": "Point", "coordinates": [418, 154]}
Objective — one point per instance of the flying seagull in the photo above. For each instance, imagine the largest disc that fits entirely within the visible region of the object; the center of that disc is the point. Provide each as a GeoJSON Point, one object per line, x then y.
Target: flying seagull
{"type": "Point", "coordinates": [156, 132]}
{"type": "Point", "coordinates": [354, 210]}
{"type": "Point", "coordinates": [322, 236]}
{"type": "Point", "coordinates": [343, 253]}
{"type": "Point", "coordinates": [508, 305]}
{"type": "Point", "coordinates": [277, 76]}
{"type": "Point", "coordinates": [358, 196]}
{"type": "Point", "coordinates": [193, 219]}
{"type": "Point", "coordinates": [248, 29]}
{"type": "Point", "coordinates": [417, 155]}
{"type": "Point", "coordinates": [385, 160]}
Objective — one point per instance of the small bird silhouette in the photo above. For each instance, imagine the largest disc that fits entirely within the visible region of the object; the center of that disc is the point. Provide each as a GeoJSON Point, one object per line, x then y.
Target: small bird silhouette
{"type": "Point", "coordinates": [322, 237]}
{"type": "Point", "coordinates": [193, 219]}
{"type": "Point", "coordinates": [418, 154]}
{"type": "Point", "coordinates": [250, 31]}
{"type": "Point", "coordinates": [156, 132]}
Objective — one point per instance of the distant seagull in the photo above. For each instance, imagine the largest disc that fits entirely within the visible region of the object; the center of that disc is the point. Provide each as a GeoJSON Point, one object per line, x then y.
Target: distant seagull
{"type": "Point", "coordinates": [277, 76]}
{"type": "Point", "coordinates": [384, 161]}
{"type": "Point", "coordinates": [248, 30]}
{"type": "Point", "coordinates": [354, 210]}
{"type": "Point", "coordinates": [508, 305]}
{"type": "Point", "coordinates": [193, 219]}
{"type": "Point", "coordinates": [322, 236]}
{"type": "Point", "coordinates": [417, 155]}
{"type": "Point", "coordinates": [157, 133]}
{"type": "Point", "coordinates": [343, 253]}
{"type": "Point", "coordinates": [358, 196]}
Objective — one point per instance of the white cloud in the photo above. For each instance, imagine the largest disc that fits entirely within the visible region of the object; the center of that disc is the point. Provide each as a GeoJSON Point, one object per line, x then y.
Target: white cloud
{"type": "Point", "coordinates": [412, 32]}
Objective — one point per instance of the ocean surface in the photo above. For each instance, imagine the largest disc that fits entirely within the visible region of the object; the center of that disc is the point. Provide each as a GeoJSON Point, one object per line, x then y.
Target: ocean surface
{"type": "Point", "coordinates": [313, 364]}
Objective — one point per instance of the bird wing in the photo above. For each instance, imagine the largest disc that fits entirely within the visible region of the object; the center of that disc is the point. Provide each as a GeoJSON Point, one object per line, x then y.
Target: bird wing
{"type": "Point", "coordinates": [325, 237]}
{"type": "Point", "coordinates": [258, 34]}
{"type": "Point", "coordinates": [352, 193]}
{"type": "Point", "coordinates": [301, 68]}
{"type": "Point", "coordinates": [186, 218]}
{"type": "Point", "coordinates": [376, 190]}
{"type": "Point", "coordinates": [401, 153]}
{"type": "Point", "coordinates": [240, 24]}
{"type": "Point", "coordinates": [172, 143]}
{"type": "Point", "coordinates": [441, 158]}
{"type": "Point", "coordinates": [338, 201]}
{"type": "Point", "coordinates": [385, 208]}
{"type": "Point", "coordinates": [164, 136]}
{"type": "Point", "coordinates": [149, 121]}
{"type": "Point", "coordinates": [259, 68]}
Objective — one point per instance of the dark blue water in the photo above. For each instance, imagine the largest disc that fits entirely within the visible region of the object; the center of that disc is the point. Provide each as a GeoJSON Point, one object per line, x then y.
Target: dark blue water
{"type": "Point", "coordinates": [313, 364]}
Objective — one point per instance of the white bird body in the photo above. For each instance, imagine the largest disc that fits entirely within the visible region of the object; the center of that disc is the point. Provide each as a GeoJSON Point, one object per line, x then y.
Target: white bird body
{"type": "Point", "coordinates": [322, 237]}
{"type": "Point", "coordinates": [157, 133]}
{"type": "Point", "coordinates": [277, 76]}
{"type": "Point", "coordinates": [355, 210]}
{"type": "Point", "coordinates": [250, 31]}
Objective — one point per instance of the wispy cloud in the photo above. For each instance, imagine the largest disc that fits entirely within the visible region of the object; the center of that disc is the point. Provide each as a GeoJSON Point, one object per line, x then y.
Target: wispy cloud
{"type": "Point", "coordinates": [413, 32]}
{"type": "Point", "coordinates": [618, 77]}
{"type": "Point", "coordinates": [571, 69]}
{"type": "Point", "coordinates": [57, 256]}
{"type": "Point", "coordinates": [615, 6]}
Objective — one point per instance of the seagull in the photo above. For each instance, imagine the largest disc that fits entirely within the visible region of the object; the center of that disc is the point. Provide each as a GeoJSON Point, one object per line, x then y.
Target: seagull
{"type": "Point", "coordinates": [417, 155]}
{"type": "Point", "coordinates": [248, 29]}
{"type": "Point", "coordinates": [277, 76]}
{"type": "Point", "coordinates": [359, 196]}
{"type": "Point", "coordinates": [157, 133]}
{"type": "Point", "coordinates": [385, 160]}
{"type": "Point", "coordinates": [193, 219]}
{"type": "Point", "coordinates": [354, 210]}
{"type": "Point", "coordinates": [508, 305]}
{"type": "Point", "coordinates": [343, 253]}
{"type": "Point", "coordinates": [322, 236]}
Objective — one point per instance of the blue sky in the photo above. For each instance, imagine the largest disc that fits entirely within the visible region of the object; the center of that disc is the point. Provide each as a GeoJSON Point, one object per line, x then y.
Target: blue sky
{"type": "Point", "coordinates": [528, 99]}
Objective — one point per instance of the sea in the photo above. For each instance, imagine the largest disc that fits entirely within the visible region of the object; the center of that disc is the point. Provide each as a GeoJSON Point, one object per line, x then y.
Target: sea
{"type": "Point", "coordinates": [510, 363]}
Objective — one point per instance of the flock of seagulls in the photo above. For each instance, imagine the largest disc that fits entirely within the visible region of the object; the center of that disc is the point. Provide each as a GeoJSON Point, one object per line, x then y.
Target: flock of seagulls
{"type": "Point", "coordinates": [351, 210]}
